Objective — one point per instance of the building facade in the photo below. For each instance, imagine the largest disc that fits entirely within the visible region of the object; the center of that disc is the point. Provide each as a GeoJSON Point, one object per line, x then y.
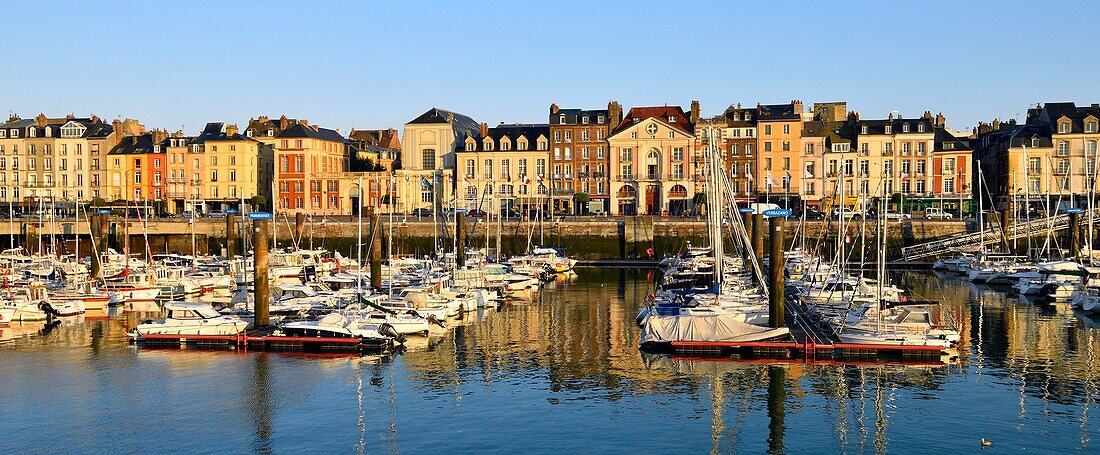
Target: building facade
{"type": "Point", "coordinates": [580, 159]}
{"type": "Point", "coordinates": [306, 160]}
{"type": "Point", "coordinates": [651, 162]}
{"type": "Point", "coordinates": [503, 170]}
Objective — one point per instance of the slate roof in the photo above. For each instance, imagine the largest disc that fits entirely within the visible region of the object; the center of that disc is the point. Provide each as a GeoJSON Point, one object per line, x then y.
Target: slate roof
{"type": "Point", "coordinates": [513, 132]}
{"type": "Point", "coordinates": [573, 116]}
{"type": "Point", "coordinates": [215, 131]}
{"type": "Point", "coordinates": [94, 128]}
{"type": "Point", "coordinates": [1052, 112]}
{"type": "Point", "coordinates": [299, 130]}
{"type": "Point", "coordinates": [943, 139]}
{"type": "Point", "coordinates": [777, 112]}
{"type": "Point", "coordinates": [437, 115]}
{"type": "Point", "coordinates": [134, 145]}
{"type": "Point", "coordinates": [735, 116]}
{"type": "Point", "coordinates": [896, 125]}
{"type": "Point", "coordinates": [680, 118]}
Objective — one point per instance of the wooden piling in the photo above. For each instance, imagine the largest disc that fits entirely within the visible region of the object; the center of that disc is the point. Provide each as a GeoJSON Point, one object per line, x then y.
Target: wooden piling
{"type": "Point", "coordinates": [1074, 234]}
{"type": "Point", "coordinates": [375, 250]}
{"type": "Point", "coordinates": [758, 236]}
{"type": "Point", "coordinates": [460, 248]}
{"type": "Point", "coordinates": [299, 226]}
{"type": "Point", "coordinates": [776, 279]}
{"type": "Point", "coordinates": [230, 235]}
{"type": "Point", "coordinates": [746, 219]}
{"type": "Point", "coordinates": [261, 231]}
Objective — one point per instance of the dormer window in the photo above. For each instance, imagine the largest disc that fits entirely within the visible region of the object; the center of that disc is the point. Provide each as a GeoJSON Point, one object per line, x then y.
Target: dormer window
{"type": "Point", "coordinates": [249, 133]}
{"type": "Point", "coordinates": [905, 127]}
{"type": "Point", "coordinates": [584, 120]}
{"type": "Point", "coordinates": [14, 134]}
{"type": "Point", "coordinates": [561, 119]}
{"type": "Point", "coordinates": [1035, 142]}
{"type": "Point", "coordinates": [48, 131]}
{"type": "Point", "coordinates": [270, 133]}
{"type": "Point", "coordinates": [671, 119]}
{"type": "Point", "coordinates": [505, 144]}
{"type": "Point", "coordinates": [889, 129]}
{"type": "Point", "coordinates": [521, 145]}
{"type": "Point", "coordinates": [30, 132]}
{"type": "Point", "coordinates": [3, 134]}
{"type": "Point", "coordinates": [1090, 127]}
{"type": "Point", "coordinates": [1063, 127]}
{"type": "Point", "coordinates": [488, 144]}
{"type": "Point", "coordinates": [600, 119]}
{"type": "Point", "coordinates": [470, 146]}
{"type": "Point", "coordinates": [863, 129]}
{"type": "Point", "coordinates": [948, 145]}
{"type": "Point", "coordinates": [736, 117]}
{"type": "Point", "coordinates": [920, 127]}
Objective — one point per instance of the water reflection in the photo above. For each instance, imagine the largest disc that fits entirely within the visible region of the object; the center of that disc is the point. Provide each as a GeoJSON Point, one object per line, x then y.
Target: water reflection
{"type": "Point", "coordinates": [568, 356]}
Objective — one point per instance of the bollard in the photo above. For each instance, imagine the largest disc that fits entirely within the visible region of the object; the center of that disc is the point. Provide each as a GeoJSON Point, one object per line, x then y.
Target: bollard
{"type": "Point", "coordinates": [230, 235]}
{"type": "Point", "coordinates": [777, 395]}
{"type": "Point", "coordinates": [103, 232]}
{"type": "Point", "coordinates": [261, 294]}
{"type": "Point", "coordinates": [375, 250]}
{"type": "Point", "coordinates": [1074, 236]}
{"type": "Point", "coordinates": [776, 279]}
{"type": "Point", "coordinates": [460, 248]}
{"type": "Point", "coordinates": [758, 237]}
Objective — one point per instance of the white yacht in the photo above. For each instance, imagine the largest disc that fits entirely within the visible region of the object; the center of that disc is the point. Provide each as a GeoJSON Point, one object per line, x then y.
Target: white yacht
{"type": "Point", "coordinates": [337, 325]}
{"type": "Point", "coordinates": [190, 319]}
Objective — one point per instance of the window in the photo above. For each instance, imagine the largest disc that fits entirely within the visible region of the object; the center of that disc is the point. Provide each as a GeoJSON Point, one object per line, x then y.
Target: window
{"type": "Point", "coordinates": [626, 154]}
{"type": "Point", "coordinates": [214, 175]}
{"type": "Point", "coordinates": [677, 153]}
{"type": "Point", "coordinates": [786, 129]}
{"type": "Point", "coordinates": [1063, 127]}
{"type": "Point", "coordinates": [1063, 148]}
{"type": "Point", "coordinates": [767, 146]}
{"type": "Point", "coordinates": [888, 129]}
{"type": "Point", "coordinates": [137, 176]}
{"type": "Point", "coordinates": [505, 145]}
{"type": "Point", "coordinates": [863, 129]}
{"type": "Point", "coordinates": [767, 164]}
{"type": "Point", "coordinates": [427, 157]}
{"type": "Point", "coordinates": [810, 149]}
{"type": "Point", "coordinates": [489, 169]}
{"type": "Point", "coordinates": [1034, 165]}
{"type": "Point", "coordinates": [1090, 127]}
{"type": "Point", "coordinates": [232, 175]}
{"type": "Point", "coordinates": [767, 129]}
{"type": "Point", "coordinates": [298, 163]}
{"type": "Point", "coordinates": [905, 128]}
{"type": "Point", "coordinates": [786, 145]}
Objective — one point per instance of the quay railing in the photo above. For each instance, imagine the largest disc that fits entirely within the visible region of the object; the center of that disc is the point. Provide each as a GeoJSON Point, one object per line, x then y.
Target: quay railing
{"type": "Point", "coordinates": [992, 235]}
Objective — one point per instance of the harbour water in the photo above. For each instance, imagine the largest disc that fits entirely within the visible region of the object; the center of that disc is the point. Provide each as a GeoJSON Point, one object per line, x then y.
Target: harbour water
{"type": "Point", "coordinates": [558, 374]}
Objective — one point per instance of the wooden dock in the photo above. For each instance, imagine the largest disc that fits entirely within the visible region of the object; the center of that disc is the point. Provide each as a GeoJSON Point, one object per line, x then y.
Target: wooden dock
{"type": "Point", "coordinates": [809, 343]}
{"type": "Point", "coordinates": [262, 339]}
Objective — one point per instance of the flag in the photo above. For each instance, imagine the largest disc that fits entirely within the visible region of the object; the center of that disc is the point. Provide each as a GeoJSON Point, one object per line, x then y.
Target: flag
{"type": "Point", "coordinates": [809, 174]}
{"type": "Point", "coordinates": [749, 174]}
{"type": "Point", "coordinates": [425, 184]}
{"type": "Point", "coordinates": [527, 181]}
{"type": "Point", "coordinates": [468, 181]}
{"type": "Point", "coordinates": [771, 180]}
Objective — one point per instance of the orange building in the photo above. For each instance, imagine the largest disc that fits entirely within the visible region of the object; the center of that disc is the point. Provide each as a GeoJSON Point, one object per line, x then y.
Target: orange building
{"type": "Point", "coordinates": [779, 142]}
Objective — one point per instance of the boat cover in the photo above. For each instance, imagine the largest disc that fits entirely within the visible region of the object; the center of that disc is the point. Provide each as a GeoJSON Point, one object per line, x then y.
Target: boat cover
{"type": "Point", "coordinates": [712, 328]}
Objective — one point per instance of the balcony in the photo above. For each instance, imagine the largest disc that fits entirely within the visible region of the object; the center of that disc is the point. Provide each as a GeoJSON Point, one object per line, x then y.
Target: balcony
{"type": "Point", "coordinates": [625, 177]}
{"type": "Point", "coordinates": [676, 176]}
{"type": "Point", "coordinates": [583, 175]}
{"type": "Point", "coordinates": [599, 175]}
{"type": "Point", "coordinates": [653, 176]}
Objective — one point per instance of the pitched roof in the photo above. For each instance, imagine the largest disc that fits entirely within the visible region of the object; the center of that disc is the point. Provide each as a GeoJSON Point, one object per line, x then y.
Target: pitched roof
{"type": "Point", "coordinates": [574, 116]}
{"type": "Point", "coordinates": [946, 141]}
{"type": "Point", "coordinates": [216, 131]}
{"type": "Point", "coordinates": [768, 112]}
{"type": "Point", "coordinates": [896, 126]}
{"type": "Point", "coordinates": [94, 127]}
{"type": "Point", "coordinates": [379, 138]}
{"type": "Point", "coordinates": [1052, 112]}
{"type": "Point", "coordinates": [436, 115]}
{"type": "Point", "coordinates": [513, 132]}
{"type": "Point", "coordinates": [311, 131]}
{"type": "Point", "coordinates": [134, 145]}
{"type": "Point", "coordinates": [673, 115]}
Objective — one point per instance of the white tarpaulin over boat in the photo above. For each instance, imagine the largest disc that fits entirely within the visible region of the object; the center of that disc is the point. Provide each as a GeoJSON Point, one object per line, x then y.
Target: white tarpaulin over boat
{"type": "Point", "coordinates": [718, 328]}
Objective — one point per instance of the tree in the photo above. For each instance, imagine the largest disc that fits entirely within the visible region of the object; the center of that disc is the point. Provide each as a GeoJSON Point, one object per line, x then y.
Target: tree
{"type": "Point", "coordinates": [99, 202]}
{"type": "Point", "coordinates": [581, 200]}
{"type": "Point", "coordinates": [258, 201]}
{"type": "Point", "coordinates": [700, 201]}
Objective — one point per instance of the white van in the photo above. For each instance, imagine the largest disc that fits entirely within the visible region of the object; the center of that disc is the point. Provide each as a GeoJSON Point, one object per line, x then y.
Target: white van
{"type": "Point", "coordinates": [761, 207]}
{"type": "Point", "coordinates": [936, 213]}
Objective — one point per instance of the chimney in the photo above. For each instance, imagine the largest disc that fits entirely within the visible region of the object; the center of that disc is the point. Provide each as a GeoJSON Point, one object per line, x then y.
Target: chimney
{"type": "Point", "coordinates": [283, 123]}
{"type": "Point", "coordinates": [451, 117]}
{"type": "Point", "coordinates": [303, 122]}
{"type": "Point", "coordinates": [554, 108]}
{"type": "Point", "coordinates": [116, 124]}
{"type": "Point", "coordinates": [484, 129]}
{"type": "Point", "coordinates": [941, 121]}
{"type": "Point", "coordinates": [13, 117]}
{"type": "Point", "coordinates": [614, 114]}
{"type": "Point", "coordinates": [996, 124]}
{"type": "Point", "coordinates": [796, 106]}
{"type": "Point", "coordinates": [694, 112]}
{"type": "Point", "coordinates": [891, 116]}
{"type": "Point", "coordinates": [70, 116]}
{"type": "Point", "coordinates": [95, 118]}
{"type": "Point", "coordinates": [159, 136]}
{"type": "Point", "coordinates": [41, 120]}
{"type": "Point", "coordinates": [231, 130]}
{"type": "Point", "coordinates": [133, 140]}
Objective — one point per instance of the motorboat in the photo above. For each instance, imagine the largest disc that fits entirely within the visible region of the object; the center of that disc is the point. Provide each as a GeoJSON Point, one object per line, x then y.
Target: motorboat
{"type": "Point", "coordinates": [337, 325]}
{"type": "Point", "coordinates": [185, 318]}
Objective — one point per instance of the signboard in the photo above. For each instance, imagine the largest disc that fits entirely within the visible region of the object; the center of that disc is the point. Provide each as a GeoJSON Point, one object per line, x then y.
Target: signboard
{"type": "Point", "coordinates": [103, 212]}
{"type": "Point", "coordinates": [232, 212]}
{"type": "Point", "coordinates": [259, 216]}
{"type": "Point", "coordinates": [745, 210]}
{"type": "Point", "coordinates": [777, 213]}
{"type": "Point", "coordinates": [1075, 210]}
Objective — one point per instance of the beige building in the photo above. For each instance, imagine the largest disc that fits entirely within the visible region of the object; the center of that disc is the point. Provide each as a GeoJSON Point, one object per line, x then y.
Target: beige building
{"type": "Point", "coordinates": [56, 159]}
{"type": "Point", "coordinates": [652, 165]}
{"type": "Point", "coordinates": [503, 170]}
{"type": "Point", "coordinates": [428, 148]}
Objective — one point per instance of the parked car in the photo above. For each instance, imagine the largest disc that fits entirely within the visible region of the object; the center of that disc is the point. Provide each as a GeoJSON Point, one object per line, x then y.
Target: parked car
{"type": "Point", "coordinates": [422, 212]}
{"type": "Point", "coordinates": [477, 213]}
{"type": "Point", "coordinates": [188, 215]}
{"type": "Point", "coordinates": [216, 214]}
{"type": "Point", "coordinates": [846, 213]}
{"type": "Point", "coordinates": [891, 215]}
{"type": "Point", "coordinates": [936, 213]}
{"type": "Point", "coordinates": [454, 211]}
{"type": "Point", "coordinates": [811, 214]}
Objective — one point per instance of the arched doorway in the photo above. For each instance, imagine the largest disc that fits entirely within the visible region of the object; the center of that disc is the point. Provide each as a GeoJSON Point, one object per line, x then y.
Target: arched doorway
{"type": "Point", "coordinates": [653, 199]}
{"type": "Point", "coordinates": [628, 200]}
{"type": "Point", "coordinates": [677, 200]}
{"type": "Point", "coordinates": [653, 165]}
{"type": "Point", "coordinates": [355, 195]}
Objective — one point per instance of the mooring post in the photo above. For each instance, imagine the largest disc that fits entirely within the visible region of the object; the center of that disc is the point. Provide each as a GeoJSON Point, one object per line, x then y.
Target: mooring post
{"type": "Point", "coordinates": [777, 395]}
{"type": "Point", "coordinates": [460, 248]}
{"type": "Point", "coordinates": [261, 229]}
{"type": "Point", "coordinates": [95, 230]}
{"type": "Point", "coordinates": [299, 226]}
{"type": "Point", "coordinates": [776, 280]}
{"type": "Point", "coordinates": [758, 237]}
{"type": "Point", "coordinates": [375, 250]}
{"type": "Point", "coordinates": [1074, 235]}
{"type": "Point", "coordinates": [230, 235]}
{"type": "Point", "coordinates": [103, 233]}
{"type": "Point", "coordinates": [746, 219]}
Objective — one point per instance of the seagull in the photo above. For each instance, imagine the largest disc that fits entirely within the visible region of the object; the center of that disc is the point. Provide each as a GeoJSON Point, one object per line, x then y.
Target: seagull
{"type": "Point", "coordinates": [986, 443]}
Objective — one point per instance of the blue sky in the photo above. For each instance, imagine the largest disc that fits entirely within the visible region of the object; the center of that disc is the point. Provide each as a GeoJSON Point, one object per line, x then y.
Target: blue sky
{"type": "Point", "coordinates": [376, 65]}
